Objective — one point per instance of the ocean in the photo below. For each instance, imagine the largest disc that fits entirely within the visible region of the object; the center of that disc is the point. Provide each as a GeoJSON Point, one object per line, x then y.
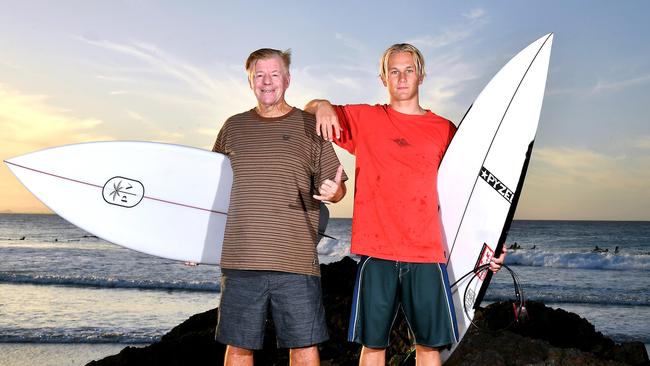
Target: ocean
{"type": "Point", "coordinates": [67, 297]}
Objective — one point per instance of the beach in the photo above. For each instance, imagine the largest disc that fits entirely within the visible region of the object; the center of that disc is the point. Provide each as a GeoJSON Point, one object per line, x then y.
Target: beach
{"type": "Point", "coordinates": [67, 297]}
{"type": "Point", "coordinates": [44, 354]}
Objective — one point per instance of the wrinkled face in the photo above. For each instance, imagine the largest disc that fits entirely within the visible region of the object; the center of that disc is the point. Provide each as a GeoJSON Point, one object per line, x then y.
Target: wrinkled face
{"type": "Point", "coordinates": [269, 81]}
{"type": "Point", "coordinates": [402, 79]}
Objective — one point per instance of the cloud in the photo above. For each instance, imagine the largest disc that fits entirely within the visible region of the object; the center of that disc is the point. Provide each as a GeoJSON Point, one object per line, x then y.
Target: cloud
{"type": "Point", "coordinates": [474, 14]}
{"type": "Point", "coordinates": [153, 130]}
{"type": "Point", "coordinates": [573, 183]}
{"type": "Point", "coordinates": [601, 87]}
{"type": "Point", "coordinates": [642, 142]}
{"type": "Point", "coordinates": [447, 78]}
{"type": "Point", "coordinates": [29, 123]}
{"type": "Point", "coordinates": [173, 81]}
{"type": "Point", "coordinates": [447, 38]}
{"type": "Point", "coordinates": [476, 18]}
{"type": "Point", "coordinates": [11, 65]}
{"type": "Point", "coordinates": [618, 85]}
{"type": "Point", "coordinates": [352, 43]}
{"type": "Point", "coordinates": [114, 78]}
{"type": "Point", "coordinates": [198, 80]}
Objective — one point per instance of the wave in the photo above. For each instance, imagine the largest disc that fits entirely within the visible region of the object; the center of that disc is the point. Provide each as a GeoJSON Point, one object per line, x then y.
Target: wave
{"type": "Point", "coordinates": [81, 335]}
{"type": "Point", "coordinates": [609, 261]}
{"type": "Point", "coordinates": [555, 292]}
{"type": "Point", "coordinates": [590, 299]}
{"type": "Point", "coordinates": [98, 282]}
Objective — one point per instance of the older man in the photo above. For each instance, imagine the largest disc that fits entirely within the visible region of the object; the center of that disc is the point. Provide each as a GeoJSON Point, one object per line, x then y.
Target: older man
{"type": "Point", "coordinates": [282, 171]}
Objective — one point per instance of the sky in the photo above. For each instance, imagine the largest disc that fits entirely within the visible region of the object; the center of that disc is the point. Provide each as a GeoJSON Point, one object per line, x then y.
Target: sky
{"type": "Point", "coordinates": [172, 71]}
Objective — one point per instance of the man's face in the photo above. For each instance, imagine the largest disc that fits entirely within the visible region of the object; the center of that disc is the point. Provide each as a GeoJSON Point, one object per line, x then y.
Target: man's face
{"type": "Point", "coordinates": [269, 81]}
{"type": "Point", "coordinates": [402, 79]}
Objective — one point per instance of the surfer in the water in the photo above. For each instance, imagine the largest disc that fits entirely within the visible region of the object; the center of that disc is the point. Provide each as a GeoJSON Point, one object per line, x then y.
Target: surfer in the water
{"type": "Point", "coordinates": [282, 171]}
{"type": "Point", "coordinates": [396, 227]}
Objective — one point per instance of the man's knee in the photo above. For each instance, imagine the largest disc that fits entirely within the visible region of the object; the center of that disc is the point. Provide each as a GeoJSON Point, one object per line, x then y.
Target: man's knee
{"type": "Point", "coordinates": [237, 351]}
{"type": "Point", "coordinates": [427, 355]}
{"type": "Point", "coordinates": [304, 355]}
{"type": "Point", "coordinates": [372, 356]}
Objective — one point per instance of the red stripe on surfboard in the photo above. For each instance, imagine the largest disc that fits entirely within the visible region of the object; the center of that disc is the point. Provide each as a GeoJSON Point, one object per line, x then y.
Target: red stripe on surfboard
{"type": "Point", "coordinates": [101, 187]}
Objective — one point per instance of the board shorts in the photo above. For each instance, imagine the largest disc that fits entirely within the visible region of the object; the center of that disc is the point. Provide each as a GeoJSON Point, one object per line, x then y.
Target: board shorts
{"type": "Point", "coordinates": [294, 301]}
{"type": "Point", "coordinates": [421, 290]}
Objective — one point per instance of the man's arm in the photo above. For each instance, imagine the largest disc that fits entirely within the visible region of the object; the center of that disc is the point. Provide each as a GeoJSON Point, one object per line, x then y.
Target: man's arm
{"type": "Point", "coordinates": [326, 118]}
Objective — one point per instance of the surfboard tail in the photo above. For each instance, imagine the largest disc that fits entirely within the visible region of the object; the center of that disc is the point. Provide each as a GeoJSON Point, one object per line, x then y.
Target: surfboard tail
{"type": "Point", "coordinates": [506, 227]}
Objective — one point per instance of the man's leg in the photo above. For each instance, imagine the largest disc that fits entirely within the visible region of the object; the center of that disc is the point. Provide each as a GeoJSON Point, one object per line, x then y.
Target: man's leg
{"type": "Point", "coordinates": [242, 315]}
{"type": "Point", "coordinates": [427, 356]}
{"type": "Point", "coordinates": [304, 356]}
{"type": "Point", "coordinates": [298, 315]}
{"type": "Point", "coordinates": [372, 356]}
{"type": "Point", "coordinates": [375, 305]}
{"type": "Point", "coordinates": [428, 308]}
{"type": "Point", "coordinates": [236, 356]}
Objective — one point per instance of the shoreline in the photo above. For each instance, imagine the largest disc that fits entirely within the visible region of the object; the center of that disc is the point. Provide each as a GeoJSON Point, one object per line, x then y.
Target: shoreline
{"type": "Point", "coordinates": [56, 354]}
{"type": "Point", "coordinates": [69, 354]}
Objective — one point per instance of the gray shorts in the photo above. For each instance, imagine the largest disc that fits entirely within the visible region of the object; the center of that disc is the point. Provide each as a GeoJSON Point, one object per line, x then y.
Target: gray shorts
{"type": "Point", "coordinates": [294, 300]}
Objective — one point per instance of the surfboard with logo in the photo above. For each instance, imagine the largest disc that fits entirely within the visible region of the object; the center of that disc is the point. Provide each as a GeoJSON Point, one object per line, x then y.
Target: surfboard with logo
{"type": "Point", "coordinates": [482, 173]}
{"type": "Point", "coordinates": [161, 199]}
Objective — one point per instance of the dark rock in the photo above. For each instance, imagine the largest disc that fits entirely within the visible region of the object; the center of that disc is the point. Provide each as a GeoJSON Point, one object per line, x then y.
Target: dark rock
{"type": "Point", "coordinates": [550, 337]}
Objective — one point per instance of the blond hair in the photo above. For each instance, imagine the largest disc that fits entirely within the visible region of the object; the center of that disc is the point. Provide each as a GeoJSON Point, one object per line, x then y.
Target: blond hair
{"type": "Point", "coordinates": [418, 59]}
{"type": "Point", "coordinates": [266, 53]}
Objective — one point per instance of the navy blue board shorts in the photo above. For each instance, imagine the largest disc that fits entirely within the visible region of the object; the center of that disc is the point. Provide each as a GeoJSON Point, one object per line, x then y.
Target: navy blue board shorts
{"type": "Point", "coordinates": [421, 290]}
{"type": "Point", "coordinates": [294, 301]}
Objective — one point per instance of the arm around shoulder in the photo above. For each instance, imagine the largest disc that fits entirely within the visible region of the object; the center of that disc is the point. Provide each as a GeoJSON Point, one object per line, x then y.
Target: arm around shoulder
{"type": "Point", "coordinates": [327, 121]}
{"type": "Point", "coordinates": [315, 105]}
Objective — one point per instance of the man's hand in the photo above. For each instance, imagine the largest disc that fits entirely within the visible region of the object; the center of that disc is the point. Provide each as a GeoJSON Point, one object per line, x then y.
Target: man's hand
{"type": "Point", "coordinates": [332, 190]}
{"type": "Point", "coordinates": [327, 122]}
{"type": "Point", "coordinates": [496, 263]}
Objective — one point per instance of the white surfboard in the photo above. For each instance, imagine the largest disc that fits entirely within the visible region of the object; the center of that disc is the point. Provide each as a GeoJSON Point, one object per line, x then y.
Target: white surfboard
{"type": "Point", "coordinates": [482, 173]}
{"type": "Point", "coordinates": [165, 200]}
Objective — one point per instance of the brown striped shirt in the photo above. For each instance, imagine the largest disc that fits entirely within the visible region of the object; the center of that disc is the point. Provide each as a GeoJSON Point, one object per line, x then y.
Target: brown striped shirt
{"type": "Point", "coordinates": [278, 164]}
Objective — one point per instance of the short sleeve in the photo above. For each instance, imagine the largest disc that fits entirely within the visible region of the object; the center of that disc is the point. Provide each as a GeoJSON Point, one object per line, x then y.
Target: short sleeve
{"type": "Point", "coordinates": [450, 135]}
{"type": "Point", "coordinates": [220, 144]}
{"type": "Point", "coordinates": [349, 125]}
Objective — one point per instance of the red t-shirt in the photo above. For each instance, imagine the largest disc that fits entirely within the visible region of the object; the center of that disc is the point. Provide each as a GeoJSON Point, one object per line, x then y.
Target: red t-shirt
{"type": "Point", "coordinates": [396, 197]}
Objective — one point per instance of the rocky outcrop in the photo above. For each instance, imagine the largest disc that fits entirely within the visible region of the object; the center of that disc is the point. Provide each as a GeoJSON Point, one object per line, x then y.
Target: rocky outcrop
{"type": "Point", "coordinates": [550, 337]}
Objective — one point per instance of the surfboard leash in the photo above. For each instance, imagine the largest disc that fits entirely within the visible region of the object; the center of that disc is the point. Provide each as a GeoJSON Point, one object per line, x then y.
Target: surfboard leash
{"type": "Point", "coordinates": [519, 305]}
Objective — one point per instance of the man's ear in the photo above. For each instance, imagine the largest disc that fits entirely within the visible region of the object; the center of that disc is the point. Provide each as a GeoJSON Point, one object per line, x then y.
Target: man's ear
{"type": "Point", "coordinates": [383, 81]}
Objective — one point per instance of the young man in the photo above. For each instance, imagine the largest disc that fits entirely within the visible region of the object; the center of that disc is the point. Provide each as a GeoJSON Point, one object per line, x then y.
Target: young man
{"type": "Point", "coordinates": [269, 259]}
{"type": "Point", "coordinates": [396, 227]}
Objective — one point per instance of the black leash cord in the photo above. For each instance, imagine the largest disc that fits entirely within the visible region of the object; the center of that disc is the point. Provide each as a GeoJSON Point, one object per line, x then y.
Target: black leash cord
{"type": "Point", "coordinates": [521, 313]}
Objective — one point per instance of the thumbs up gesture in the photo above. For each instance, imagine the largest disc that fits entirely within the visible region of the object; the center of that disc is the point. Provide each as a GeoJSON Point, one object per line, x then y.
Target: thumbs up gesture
{"type": "Point", "coordinates": [332, 190]}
